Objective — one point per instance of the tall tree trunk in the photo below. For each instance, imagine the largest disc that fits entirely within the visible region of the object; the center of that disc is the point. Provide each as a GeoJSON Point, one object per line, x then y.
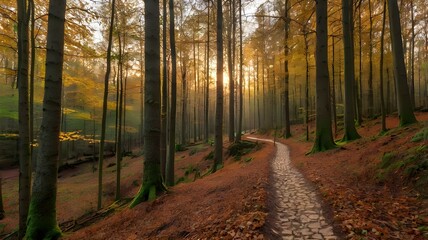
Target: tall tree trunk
{"type": "Point", "coordinates": [241, 97]}
{"type": "Point", "coordinates": [105, 100]}
{"type": "Point", "coordinates": [370, 82]}
{"type": "Point", "coordinates": [258, 92]}
{"type": "Point", "coordinates": [218, 141]}
{"type": "Point", "coordinates": [360, 69]}
{"type": "Point", "coordinates": [333, 91]}
{"type": "Point", "coordinates": [405, 112]}
{"type": "Point", "coordinates": [195, 96]}
{"type": "Point", "coordinates": [287, 131]}
{"type": "Point", "coordinates": [412, 57]}
{"type": "Point", "coordinates": [119, 113]}
{"type": "Point", "coordinates": [32, 74]}
{"type": "Point", "coordinates": [152, 178]}
{"type": "Point", "coordinates": [350, 133]}
{"type": "Point", "coordinates": [164, 107]}
{"type": "Point", "coordinates": [184, 121]}
{"type": "Point", "coordinates": [42, 223]}
{"type": "Point", "coordinates": [230, 68]}
{"type": "Point", "coordinates": [324, 136]}
{"type": "Point", "coordinates": [24, 120]}
{"type": "Point", "coordinates": [207, 86]}
{"type": "Point", "coordinates": [306, 83]}
{"type": "Point", "coordinates": [382, 101]}
{"type": "Point", "coordinates": [169, 175]}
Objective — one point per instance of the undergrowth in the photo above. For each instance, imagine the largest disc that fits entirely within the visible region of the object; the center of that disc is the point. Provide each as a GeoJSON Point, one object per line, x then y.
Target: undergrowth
{"type": "Point", "coordinates": [411, 166]}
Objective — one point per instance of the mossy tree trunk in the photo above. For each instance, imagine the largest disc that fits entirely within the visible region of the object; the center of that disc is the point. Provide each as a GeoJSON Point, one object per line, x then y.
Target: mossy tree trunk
{"type": "Point", "coordinates": [324, 135]}
{"type": "Point", "coordinates": [350, 132]}
{"type": "Point", "coordinates": [218, 140]}
{"type": "Point", "coordinates": [152, 179]}
{"type": "Point", "coordinates": [42, 223]}
{"type": "Point", "coordinates": [105, 100]}
{"type": "Point", "coordinates": [24, 119]}
{"type": "Point", "coordinates": [405, 110]}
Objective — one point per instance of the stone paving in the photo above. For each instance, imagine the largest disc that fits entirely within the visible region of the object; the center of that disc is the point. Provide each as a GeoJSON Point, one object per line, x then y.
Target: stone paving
{"type": "Point", "coordinates": [298, 213]}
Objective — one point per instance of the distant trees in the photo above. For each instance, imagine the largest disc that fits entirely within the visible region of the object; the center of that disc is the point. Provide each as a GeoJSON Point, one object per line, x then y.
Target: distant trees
{"type": "Point", "coordinates": [42, 223]}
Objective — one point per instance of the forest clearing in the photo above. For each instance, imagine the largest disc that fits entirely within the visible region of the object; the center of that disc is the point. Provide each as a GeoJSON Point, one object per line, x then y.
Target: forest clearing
{"type": "Point", "coordinates": [213, 119]}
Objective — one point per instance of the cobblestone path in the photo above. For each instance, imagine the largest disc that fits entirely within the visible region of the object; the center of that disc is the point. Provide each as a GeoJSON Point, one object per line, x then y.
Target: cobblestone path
{"type": "Point", "coordinates": [298, 213]}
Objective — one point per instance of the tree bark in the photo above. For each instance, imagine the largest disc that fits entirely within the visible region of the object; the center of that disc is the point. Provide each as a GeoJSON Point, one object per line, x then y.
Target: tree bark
{"type": "Point", "coordinates": [173, 111]}
{"type": "Point", "coordinates": [382, 101]}
{"type": "Point", "coordinates": [42, 223]}
{"type": "Point", "coordinates": [230, 68]}
{"type": "Point", "coordinates": [324, 136]}
{"type": "Point", "coordinates": [350, 132]}
{"type": "Point", "coordinates": [241, 97]}
{"type": "Point", "coordinates": [370, 82]}
{"type": "Point", "coordinates": [105, 100]}
{"type": "Point", "coordinates": [287, 131]}
{"type": "Point", "coordinates": [218, 141]}
{"type": "Point", "coordinates": [405, 111]}
{"type": "Point", "coordinates": [152, 179]}
{"type": "Point", "coordinates": [164, 107]}
{"type": "Point", "coordinates": [23, 115]}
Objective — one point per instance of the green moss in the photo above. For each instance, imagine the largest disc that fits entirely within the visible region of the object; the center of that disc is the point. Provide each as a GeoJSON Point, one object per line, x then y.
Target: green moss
{"type": "Point", "coordinates": [387, 159]}
{"type": "Point", "coordinates": [422, 135]}
{"type": "Point", "coordinates": [241, 148]}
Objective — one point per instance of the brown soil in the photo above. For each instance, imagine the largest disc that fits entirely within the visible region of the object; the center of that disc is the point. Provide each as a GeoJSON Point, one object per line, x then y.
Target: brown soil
{"type": "Point", "coordinates": [364, 207]}
{"type": "Point", "coordinates": [232, 203]}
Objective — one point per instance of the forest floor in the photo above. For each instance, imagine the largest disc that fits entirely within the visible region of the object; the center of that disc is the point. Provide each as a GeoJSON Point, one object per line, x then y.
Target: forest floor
{"type": "Point", "coordinates": [374, 188]}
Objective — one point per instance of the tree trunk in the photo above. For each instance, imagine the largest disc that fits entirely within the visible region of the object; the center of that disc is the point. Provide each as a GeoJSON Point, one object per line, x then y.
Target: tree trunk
{"type": "Point", "coordinates": [333, 91]}
{"type": "Point", "coordinates": [350, 133]}
{"type": "Point", "coordinates": [164, 107]}
{"type": "Point", "coordinates": [105, 100]}
{"type": "Point", "coordinates": [230, 68]}
{"type": "Point", "coordinates": [24, 120]}
{"type": "Point", "coordinates": [42, 222]}
{"type": "Point", "coordinates": [218, 141]}
{"type": "Point", "coordinates": [360, 69]}
{"type": "Point", "coordinates": [184, 121]}
{"type": "Point", "coordinates": [287, 131]}
{"type": "Point", "coordinates": [370, 82]}
{"type": "Point", "coordinates": [241, 97]}
{"type": "Point", "coordinates": [173, 111]}
{"type": "Point", "coordinates": [306, 83]}
{"type": "Point", "coordinates": [152, 179]}
{"type": "Point", "coordinates": [324, 136]}
{"type": "Point", "coordinates": [119, 113]}
{"type": "Point", "coordinates": [405, 111]}
{"type": "Point", "coordinates": [207, 86]}
{"type": "Point", "coordinates": [412, 57]}
{"type": "Point", "coordinates": [382, 101]}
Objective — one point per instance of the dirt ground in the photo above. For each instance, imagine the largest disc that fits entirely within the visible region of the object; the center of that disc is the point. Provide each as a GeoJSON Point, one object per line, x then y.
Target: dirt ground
{"type": "Point", "coordinates": [346, 177]}
{"type": "Point", "coordinates": [232, 203]}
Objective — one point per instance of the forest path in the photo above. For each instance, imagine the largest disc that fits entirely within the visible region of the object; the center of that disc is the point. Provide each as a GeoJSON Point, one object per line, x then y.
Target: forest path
{"type": "Point", "coordinates": [298, 212]}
